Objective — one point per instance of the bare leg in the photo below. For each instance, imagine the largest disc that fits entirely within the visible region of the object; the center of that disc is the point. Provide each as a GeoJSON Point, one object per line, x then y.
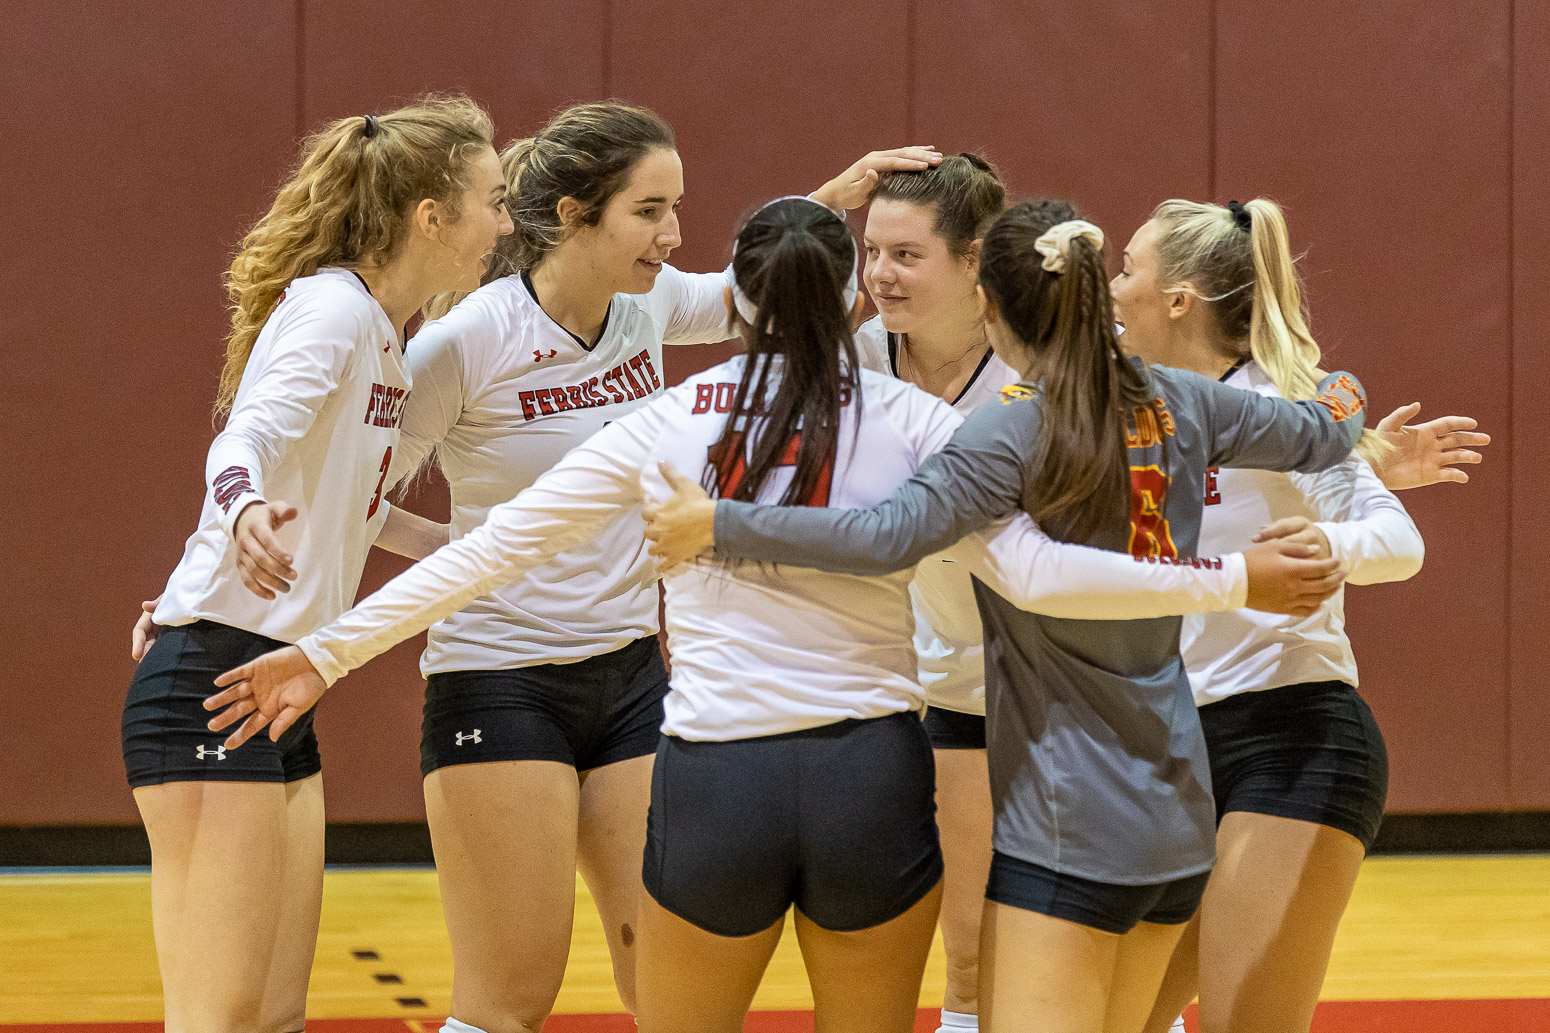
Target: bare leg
{"type": "Point", "coordinates": [505, 840]}
{"type": "Point", "coordinates": [1268, 921]}
{"type": "Point", "coordinates": [284, 1009]}
{"type": "Point", "coordinates": [1138, 973]}
{"type": "Point", "coordinates": [692, 981]}
{"type": "Point", "coordinates": [1043, 974]}
{"type": "Point", "coordinates": [218, 857]}
{"type": "Point", "coordinates": [963, 813]}
{"type": "Point", "coordinates": [1181, 981]}
{"type": "Point", "coordinates": [611, 843]}
{"type": "Point", "coordinates": [869, 981]}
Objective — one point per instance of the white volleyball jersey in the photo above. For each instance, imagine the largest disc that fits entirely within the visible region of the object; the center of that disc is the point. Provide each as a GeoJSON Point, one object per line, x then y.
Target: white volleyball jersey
{"type": "Point", "coordinates": [949, 642]}
{"type": "Point", "coordinates": [1368, 531]}
{"type": "Point", "coordinates": [764, 651]}
{"type": "Point", "coordinates": [315, 423]}
{"type": "Point", "coordinates": [502, 393]}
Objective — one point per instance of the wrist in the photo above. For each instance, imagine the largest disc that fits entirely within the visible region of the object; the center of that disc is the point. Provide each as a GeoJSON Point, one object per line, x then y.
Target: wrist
{"type": "Point", "coordinates": [231, 518]}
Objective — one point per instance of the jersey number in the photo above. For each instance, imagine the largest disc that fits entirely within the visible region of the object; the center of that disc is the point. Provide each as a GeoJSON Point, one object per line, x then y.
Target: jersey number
{"type": "Point", "coordinates": [731, 477]}
{"type": "Point", "coordinates": [1149, 534]}
{"type": "Point", "coordinates": [376, 500]}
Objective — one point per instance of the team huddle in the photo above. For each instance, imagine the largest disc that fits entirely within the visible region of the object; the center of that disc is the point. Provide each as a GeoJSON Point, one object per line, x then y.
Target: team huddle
{"type": "Point", "coordinates": [1015, 609]}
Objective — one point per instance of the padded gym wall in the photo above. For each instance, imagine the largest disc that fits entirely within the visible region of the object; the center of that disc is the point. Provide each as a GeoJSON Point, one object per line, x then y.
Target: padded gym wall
{"type": "Point", "coordinates": [141, 138]}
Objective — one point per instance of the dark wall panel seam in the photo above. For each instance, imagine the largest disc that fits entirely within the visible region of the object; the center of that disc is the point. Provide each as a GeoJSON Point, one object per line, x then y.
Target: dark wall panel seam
{"type": "Point", "coordinates": [1513, 794]}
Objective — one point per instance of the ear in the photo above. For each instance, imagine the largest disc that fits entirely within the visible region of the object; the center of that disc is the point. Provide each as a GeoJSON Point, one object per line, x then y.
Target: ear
{"type": "Point", "coordinates": [1180, 302]}
{"type": "Point", "coordinates": [972, 257]}
{"type": "Point", "coordinates": [857, 307]}
{"type": "Point", "coordinates": [428, 218]}
{"type": "Point", "coordinates": [569, 210]}
{"type": "Point", "coordinates": [726, 297]}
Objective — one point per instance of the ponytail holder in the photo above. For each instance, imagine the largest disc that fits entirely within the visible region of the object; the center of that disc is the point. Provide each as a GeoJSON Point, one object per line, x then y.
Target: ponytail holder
{"type": "Point", "coordinates": [1055, 243]}
{"type": "Point", "coordinates": [371, 126]}
{"type": "Point", "coordinates": [1241, 216]}
{"type": "Point", "coordinates": [745, 306]}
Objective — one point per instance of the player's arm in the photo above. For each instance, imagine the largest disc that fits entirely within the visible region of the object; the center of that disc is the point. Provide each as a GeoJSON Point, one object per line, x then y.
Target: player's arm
{"type": "Point", "coordinates": [1248, 429]}
{"type": "Point", "coordinates": [1362, 524]}
{"type": "Point", "coordinates": [280, 401]}
{"type": "Point", "coordinates": [409, 534]}
{"type": "Point", "coordinates": [574, 501]}
{"type": "Point", "coordinates": [1021, 563]}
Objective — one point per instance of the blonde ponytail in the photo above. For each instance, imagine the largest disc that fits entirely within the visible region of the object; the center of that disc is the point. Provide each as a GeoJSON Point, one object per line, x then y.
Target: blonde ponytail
{"type": "Point", "coordinates": [348, 203]}
{"type": "Point", "coordinates": [1247, 277]}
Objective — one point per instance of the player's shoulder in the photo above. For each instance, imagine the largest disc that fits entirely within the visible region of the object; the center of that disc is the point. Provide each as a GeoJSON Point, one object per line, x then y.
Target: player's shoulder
{"type": "Point", "coordinates": [333, 296]}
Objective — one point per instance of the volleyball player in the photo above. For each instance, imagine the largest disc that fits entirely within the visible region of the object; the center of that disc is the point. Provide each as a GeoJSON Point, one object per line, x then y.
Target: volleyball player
{"type": "Point", "coordinates": [381, 213]}
{"type": "Point", "coordinates": [922, 261]}
{"type": "Point", "coordinates": [1104, 823]}
{"type": "Point", "coordinates": [544, 703]}
{"type": "Point", "coordinates": [1298, 764]}
{"type": "Point", "coordinates": [807, 715]}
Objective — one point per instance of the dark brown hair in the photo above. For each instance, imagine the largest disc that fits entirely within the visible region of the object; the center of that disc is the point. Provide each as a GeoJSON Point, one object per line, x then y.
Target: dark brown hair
{"type": "Point", "coordinates": [793, 260]}
{"type": "Point", "coordinates": [1089, 390]}
{"type": "Point", "coordinates": [965, 191]}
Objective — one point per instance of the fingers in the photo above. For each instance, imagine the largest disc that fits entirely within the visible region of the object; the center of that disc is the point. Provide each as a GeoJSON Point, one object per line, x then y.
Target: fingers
{"type": "Point", "coordinates": [909, 159]}
{"type": "Point", "coordinates": [251, 727]}
{"type": "Point", "coordinates": [229, 716]}
{"type": "Point", "coordinates": [1447, 473]}
{"type": "Point", "coordinates": [1460, 456]}
{"type": "Point", "coordinates": [1399, 417]}
{"type": "Point", "coordinates": [269, 555]}
{"type": "Point", "coordinates": [280, 514]}
{"type": "Point", "coordinates": [677, 481]}
{"type": "Point", "coordinates": [1283, 528]}
{"type": "Point", "coordinates": [1448, 425]}
{"type": "Point", "coordinates": [242, 690]}
{"type": "Point", "coordinates": [286, 718]}
{"type": "Point", "coordinates": [236, 674]}
{"type": "Point", "coordinates": [1463, 439]}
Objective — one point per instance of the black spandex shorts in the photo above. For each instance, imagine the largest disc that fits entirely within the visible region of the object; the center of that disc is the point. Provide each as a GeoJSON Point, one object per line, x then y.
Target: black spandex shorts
{"type": "Point", "coordinates": [839, 820]}
{"type": "Point", "coordinates": [952, 730]}
{"type": "Point", "coordinates": [593, 712]}
{"type": "Point", "coordinates": [1311, 752]}
{"type": "Point", "coordinates": [165, 733]}
{"type": "Point", "coordinates": [1099, 905]}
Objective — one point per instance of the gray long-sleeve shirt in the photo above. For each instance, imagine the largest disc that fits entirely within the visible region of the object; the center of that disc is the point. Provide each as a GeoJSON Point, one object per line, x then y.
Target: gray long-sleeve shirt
{"type": "Point", "coordinates": [1097, 763]}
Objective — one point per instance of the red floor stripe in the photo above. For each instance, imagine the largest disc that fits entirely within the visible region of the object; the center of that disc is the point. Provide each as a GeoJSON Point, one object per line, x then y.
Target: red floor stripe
{"type": "Point", "coordinates": [1508, 1016]}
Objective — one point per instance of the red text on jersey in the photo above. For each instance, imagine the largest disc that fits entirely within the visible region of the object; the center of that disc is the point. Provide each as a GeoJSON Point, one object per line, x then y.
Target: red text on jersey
{"type": "Point", "coordinates": [730, 461]}
{"type": "Point", "coordinates": [385, 407]}
{"type": "Point", "coordinates": [1149, 534]}
{"type": "Point", "coordinates": [230, 483]}
{"type": "Point", "coordinates": [629, 381]}
{"type": "Point", "coordinates": [1213, 496]}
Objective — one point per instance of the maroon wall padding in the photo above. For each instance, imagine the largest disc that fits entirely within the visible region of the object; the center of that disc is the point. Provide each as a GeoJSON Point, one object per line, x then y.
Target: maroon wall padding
{"type": "Point", "coordinates": [139, 139]}
{"type": "Point", "coordinates": [1529, 598]}
{"type": "Point", "coordinates": [142, 138]}
{"type": "Point", "coordinates": [1386, 134]}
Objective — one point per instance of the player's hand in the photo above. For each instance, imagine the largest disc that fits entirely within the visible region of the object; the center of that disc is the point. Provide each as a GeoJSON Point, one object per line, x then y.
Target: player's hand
{"type": "Point", "coordinates": [274, 690]}
{"type": "Point", "coordinates": [681, 526]}
{"type": "Point", "coordinates": [262, 562]}
{"type": "Point", "coordinates": [1427, 452]}
{"type": "Point", "coordinates": [143, 637]}
{"type": "Point", "coordinates": [1285, 577]}
{"type": "Point", "coordinates": [1297, 531]}
{"type": "Point", "coordinates": [853, 187]}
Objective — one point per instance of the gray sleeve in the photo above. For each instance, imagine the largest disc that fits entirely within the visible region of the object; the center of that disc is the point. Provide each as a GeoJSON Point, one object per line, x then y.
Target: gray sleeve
{"type": "Point", "coordinates": [1248, 429]}
{"type": "Point", "coordinates": [976, 479]}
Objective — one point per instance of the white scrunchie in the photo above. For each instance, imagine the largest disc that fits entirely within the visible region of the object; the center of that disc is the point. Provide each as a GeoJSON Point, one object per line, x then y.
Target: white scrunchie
{"type": "Point", "coordinates": [746, 307]}
{"type": "Point", "coordinates": [1055, 244]}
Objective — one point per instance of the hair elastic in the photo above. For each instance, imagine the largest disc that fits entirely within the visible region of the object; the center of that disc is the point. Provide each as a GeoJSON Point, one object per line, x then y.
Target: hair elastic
{"type": "Point", "coordinates": [1055, 243]}
{"type": "Point", "coordinates": [1241, 216]}
{"type": "Point", "coordinates": [745, 305]}
{"type": "Point", "coordinates": [371, 126]}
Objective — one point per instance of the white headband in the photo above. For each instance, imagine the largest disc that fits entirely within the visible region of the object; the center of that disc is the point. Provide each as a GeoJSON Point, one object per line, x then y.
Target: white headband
{"type": "Point", "coordinates": [748, 310]}
{"type": "Point", "coordinates": [1055, 244]}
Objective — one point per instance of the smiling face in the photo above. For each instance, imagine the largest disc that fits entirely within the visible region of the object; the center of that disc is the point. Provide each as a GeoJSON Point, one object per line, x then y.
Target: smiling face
{"type": "Point", "coordinates": [482, 219]}
{"type": "Point", "coordinates": [638, 227]}
{"type": "Point", "coordinates": [1140, 304]}
{"type": "Point", "coordinates": [914, 278]}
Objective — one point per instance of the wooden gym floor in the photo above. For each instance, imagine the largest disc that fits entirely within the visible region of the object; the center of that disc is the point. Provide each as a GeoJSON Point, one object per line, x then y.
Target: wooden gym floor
{"type": "Point", "coordinates": [1430, 945]}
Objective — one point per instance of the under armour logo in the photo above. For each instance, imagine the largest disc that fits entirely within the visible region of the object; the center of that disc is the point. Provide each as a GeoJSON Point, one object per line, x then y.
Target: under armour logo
{"type": "Point", "coordinates": [219, 753]}
{"type": "Point", "coordinates": [462, 737]}
{"type": "Point", "coordinates": [539, 356]}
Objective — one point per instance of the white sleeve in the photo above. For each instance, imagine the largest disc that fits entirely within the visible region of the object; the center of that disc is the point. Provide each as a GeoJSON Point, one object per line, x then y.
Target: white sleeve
{"type": "Point", "coordinates": [690, 307]}
{"type": "Point", "coordinates": [435, 400]}
{"type": "Point", "coordinates": [1369, 531]}
{"type": "Point", "coordinates": [1034, 572]}
{"type": "Point", "coordinates": [574, 500]}
{"type": "Point", "coordinates": [281, 395]}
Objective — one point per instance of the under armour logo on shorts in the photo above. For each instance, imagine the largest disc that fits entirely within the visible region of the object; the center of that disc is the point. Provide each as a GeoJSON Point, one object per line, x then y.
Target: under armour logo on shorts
{"type": "Point", "coordinates": [219, 753]}
{"type": "Point", "coordinates": [474, 737]}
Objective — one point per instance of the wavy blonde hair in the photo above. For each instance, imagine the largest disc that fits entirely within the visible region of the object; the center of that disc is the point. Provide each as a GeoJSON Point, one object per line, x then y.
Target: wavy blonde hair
{"type": "Point", "coordinates": [1249, 283]}
{"type": "Point", "coordinates": [348, 203]}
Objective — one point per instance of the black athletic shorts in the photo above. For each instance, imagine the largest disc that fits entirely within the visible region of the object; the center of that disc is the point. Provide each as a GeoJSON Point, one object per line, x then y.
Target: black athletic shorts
{"type": "Point", "coordinates": [1312, 752]}
{"type": "Point", "coordinates": [165, 733]}
{"type": "Point", "coordinates": [1107, 906]}
{"type": "Point", "coordinates": [952, 730]}
{"type": "Point", "coordinates": [839, 820]}
{"type": "Point", "coordinates": [593, 712]}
